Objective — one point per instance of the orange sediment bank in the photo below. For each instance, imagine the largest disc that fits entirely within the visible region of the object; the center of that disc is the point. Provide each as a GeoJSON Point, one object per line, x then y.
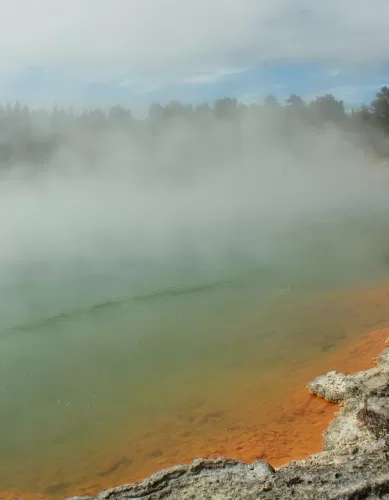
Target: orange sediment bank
{"type": "Point", "coordinates": [287, 426]}
{"type": "Point", "coordinates": [305, 417]}
{"type": "Point", "coordinates": [295, 429]}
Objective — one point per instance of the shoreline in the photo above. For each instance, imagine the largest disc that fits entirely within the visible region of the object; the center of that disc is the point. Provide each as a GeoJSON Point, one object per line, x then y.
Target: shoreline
{"type": "Point", "coordinates": [354, 460]}
{"type": "Point", "coordinates": [294, 434]}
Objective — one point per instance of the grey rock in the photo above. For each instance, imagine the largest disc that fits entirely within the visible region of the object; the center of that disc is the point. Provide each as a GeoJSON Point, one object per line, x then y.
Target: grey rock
{"type": "Point", "coordinates": [334, 387]}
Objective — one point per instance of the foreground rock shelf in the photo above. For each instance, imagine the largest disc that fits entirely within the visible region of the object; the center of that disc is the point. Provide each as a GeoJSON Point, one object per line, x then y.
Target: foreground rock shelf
{"type": "Point", "coordinates": [353, 465]}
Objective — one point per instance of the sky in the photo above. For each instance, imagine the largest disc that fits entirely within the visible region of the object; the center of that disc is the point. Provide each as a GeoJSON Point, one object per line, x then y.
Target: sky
{"type": "Point", "coordinates": [97, 52]}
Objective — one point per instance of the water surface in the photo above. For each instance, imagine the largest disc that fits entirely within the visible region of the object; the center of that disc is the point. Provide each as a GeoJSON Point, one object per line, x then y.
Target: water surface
{"type": "Point", "coordinates": [112, 370]}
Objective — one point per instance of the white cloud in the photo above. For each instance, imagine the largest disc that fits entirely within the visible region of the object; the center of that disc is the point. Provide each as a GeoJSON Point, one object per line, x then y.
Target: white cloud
{"type": "Point", "coordinates": [207, 77]}
{"type": "Point", "coordinates": [334, 72]}
{"type": "Point", "coordinates": [139, 86]}
{"type": "Point", "coordinates": [101, 37]}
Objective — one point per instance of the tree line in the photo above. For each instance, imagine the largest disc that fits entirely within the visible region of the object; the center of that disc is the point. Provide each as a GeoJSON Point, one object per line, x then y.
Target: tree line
{"type": "Point", "coordinates": [35, 135]}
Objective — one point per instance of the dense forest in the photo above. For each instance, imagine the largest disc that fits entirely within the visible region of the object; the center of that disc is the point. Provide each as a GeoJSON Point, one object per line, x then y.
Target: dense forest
{"type": "Point", "coordinates": [35, 136]}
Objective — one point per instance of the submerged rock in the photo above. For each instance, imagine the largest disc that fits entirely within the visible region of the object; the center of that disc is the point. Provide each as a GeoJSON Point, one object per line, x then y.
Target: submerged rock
{"type": "Point", "coordinates": [353, 465]}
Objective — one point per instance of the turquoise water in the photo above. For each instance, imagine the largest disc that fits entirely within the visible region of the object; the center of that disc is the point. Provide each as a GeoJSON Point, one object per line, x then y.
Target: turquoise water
{"type": "Point", "coordinates": [94, 355]}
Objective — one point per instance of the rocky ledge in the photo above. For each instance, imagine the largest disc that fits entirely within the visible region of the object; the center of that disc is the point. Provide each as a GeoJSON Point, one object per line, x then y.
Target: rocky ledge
{"type": "Point", "coordinates": [353, 465]}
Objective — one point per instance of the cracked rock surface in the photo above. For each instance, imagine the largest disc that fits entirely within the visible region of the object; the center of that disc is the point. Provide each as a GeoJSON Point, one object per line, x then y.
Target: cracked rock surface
{"type": "Point", "coordinates": [353, 465]}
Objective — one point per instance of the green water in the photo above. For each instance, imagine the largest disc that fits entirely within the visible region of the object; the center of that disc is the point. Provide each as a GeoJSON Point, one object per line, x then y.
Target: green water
{"type": "Point", "coordinates": [91, 355]}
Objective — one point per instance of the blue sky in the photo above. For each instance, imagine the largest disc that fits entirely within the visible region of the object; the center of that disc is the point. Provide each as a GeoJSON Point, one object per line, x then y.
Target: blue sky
{"type": "Point", "coordinates": [95, 52]}
{"type": "Point", "coordinates": [353, 84]}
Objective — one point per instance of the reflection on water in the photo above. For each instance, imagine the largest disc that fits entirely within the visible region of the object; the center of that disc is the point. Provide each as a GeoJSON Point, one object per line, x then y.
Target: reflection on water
{"type": "Point", "coordinates": [104, 379]}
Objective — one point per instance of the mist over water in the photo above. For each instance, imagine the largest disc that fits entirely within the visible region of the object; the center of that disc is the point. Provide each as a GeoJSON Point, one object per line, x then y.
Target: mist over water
{"type": "Point", "coordinates": [134, 272]}
{"type": "Point", "coordinates": [189, 207]}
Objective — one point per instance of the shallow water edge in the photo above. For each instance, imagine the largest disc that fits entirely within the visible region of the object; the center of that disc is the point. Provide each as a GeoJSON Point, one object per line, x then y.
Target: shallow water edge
{"type": "Point", "coordinates": [294, 435]}
{"type": "Point", "coordinates": [354, 462]}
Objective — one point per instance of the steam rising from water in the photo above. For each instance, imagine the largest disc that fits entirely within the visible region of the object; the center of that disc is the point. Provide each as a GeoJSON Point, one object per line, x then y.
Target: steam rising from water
{"type": "Point", "coordinates": [139, 270]}
{"type": "Point", "coordinates": [193, 204]}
